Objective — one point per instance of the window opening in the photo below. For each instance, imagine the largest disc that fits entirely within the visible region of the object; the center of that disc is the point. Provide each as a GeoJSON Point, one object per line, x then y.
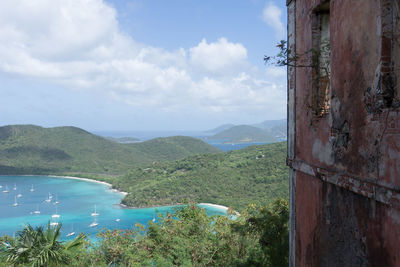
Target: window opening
{"type": "Point", "coordinates": [396, 47]}
{"type": "Point", "coordinates": [321, 60]}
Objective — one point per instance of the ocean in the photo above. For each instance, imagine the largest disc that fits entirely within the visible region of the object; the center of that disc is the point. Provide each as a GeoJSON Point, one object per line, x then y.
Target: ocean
{"type": "Point", "coordinates": [74, 201]}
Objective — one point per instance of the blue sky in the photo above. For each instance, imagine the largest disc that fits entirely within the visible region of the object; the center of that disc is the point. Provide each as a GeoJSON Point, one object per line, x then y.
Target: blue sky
{"type": "Point", "coordinates": [140, 65]}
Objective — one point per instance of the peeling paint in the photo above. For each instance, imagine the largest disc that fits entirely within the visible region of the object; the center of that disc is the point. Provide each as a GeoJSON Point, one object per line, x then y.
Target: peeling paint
{"type": "Point", "coordinates": [323, 152]}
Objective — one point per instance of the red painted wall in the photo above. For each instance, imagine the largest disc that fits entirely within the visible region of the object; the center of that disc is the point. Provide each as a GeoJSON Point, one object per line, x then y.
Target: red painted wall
{"type": "Point", "coordinates": [346, 164]}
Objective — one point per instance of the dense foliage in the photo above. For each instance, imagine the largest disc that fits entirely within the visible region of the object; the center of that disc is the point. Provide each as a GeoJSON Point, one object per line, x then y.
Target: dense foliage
{"type": "Point", "coordinates": [257, 237]}
{"type": "Point", "coordinates": [38, 247]}
{"type": "Point", "coordinates": [29, 149]}
{"type": "Point", "coordinates": [256, 174]}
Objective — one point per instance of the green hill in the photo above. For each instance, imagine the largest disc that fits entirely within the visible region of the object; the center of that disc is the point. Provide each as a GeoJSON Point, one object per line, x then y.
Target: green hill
{"type": "Point", "coordinates": [244, 134]}
{"type": "Point", "coordinates": [220, 128]}
{"type": "Point", "coordinates": [257, 174]}
{"type": "Point", "coordinates": [29, 149]}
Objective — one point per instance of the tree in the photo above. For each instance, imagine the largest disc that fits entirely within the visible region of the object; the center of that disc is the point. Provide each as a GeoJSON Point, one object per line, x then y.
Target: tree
{"type": "Point", "coordinates": [39, 247]}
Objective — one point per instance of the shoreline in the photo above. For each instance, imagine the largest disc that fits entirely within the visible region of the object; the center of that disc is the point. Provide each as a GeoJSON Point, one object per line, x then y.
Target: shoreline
{"type": "Point", "coordinates": [90, 180]}
{"type": "Point", "coordinates": [220, 207]}
{"type": "Point", "coordinates": [79, 178]}
{"type": "Point", "coordinates": [217, 206]}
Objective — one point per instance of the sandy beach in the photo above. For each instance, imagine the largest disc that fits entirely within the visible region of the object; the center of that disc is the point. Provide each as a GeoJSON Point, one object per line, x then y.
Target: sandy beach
{"type": "Point", "coordinates": [90, 180]}
{"type": "Point", "coordinates": [84, 179]}
{"type": "Point", "coordinates": [224, 208]}
{"type": "Point", "coordinates": [221, 207]}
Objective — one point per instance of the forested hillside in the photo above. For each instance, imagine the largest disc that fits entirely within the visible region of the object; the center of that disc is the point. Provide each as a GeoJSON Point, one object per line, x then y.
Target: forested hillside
{"type": "Point", "coordinates": [256, 174]}
{"type": "Point", "coordinates": [29, 149]}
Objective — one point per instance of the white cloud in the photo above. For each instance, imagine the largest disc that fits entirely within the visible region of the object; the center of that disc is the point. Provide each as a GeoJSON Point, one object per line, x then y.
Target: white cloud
{"type": "Point", "coordinates": [218, 57]}
{"type": "Point", "coordinates": [272, 16]}
{"type": "Point", "coordinates": [78, 44]}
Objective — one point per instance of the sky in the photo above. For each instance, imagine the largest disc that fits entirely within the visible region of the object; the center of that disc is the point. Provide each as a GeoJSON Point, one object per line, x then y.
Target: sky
{"type": "Point", "coordinates": [140, 64]}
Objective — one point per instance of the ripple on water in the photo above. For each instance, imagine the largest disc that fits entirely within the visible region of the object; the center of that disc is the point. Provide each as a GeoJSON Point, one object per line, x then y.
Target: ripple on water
{"type": "Point", "coordinates": [76, 199]}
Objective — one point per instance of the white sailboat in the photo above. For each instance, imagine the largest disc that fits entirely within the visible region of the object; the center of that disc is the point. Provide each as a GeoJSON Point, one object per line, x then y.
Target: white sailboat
{"type": "Point", "coordinates": [56, 202]}
{"type": "Point", "coordinates": [19, 194]}
{"type": "Point", "coordinates": [32, 189]}
{"type": "Point", "coordinates": [53, 223]}
{"type": "Point", "coordinates": [154, 219]}
{"type": "Point", "coordinates": [37, 211]}
{"type": "Point", "coordinates": [56, 215]}
{"type": "Point", "coordinates": [117, 220]}
{"type": "Point", "coordinates": [48, 199]}
{"type": "Point", "coordinates": [6, 190]}
{"type": "Point", "coordinates": [1, 186]}
{"type": "Point", "coordinates": [15, 186]}
{"type": "Point", "coordinates": [15, 202]}
{"type": "Point", "coordinates": [95, 212]}
{"type": "Point", "coordinates": [94, 223]}
{"type": "Point", "coordinates": [72, 231]}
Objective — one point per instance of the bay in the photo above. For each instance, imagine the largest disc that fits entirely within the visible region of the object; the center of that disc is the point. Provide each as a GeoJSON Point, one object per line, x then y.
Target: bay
{"type": "Point", "coordinates": [77, 200]}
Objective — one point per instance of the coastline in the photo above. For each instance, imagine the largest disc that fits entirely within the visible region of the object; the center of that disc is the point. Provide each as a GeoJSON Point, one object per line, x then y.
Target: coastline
{"type": "Point", "coordinates": [216, 206]}
{"type": "Point", "coordinates": [83, 179]}
{"type": "Point", "coordinates": [90, 180]}
{"type": "Point", "coordinates": [220, 207]}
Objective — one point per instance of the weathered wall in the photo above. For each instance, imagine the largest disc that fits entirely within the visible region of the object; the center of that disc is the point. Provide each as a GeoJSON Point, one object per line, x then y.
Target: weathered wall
{"type": "Point", "coordinates": [346, 163]}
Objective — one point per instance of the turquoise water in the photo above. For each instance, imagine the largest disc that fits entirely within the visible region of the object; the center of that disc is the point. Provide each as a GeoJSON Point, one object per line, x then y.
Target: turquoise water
{"type": "Point", "coordinates": [230, 146]}
{"type": "Point", "coordinates": [77, 200]}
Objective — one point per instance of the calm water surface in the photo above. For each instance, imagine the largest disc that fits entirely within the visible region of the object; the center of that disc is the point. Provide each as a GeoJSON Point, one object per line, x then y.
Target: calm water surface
{"type": "Point", "coordinates": [77, 201]}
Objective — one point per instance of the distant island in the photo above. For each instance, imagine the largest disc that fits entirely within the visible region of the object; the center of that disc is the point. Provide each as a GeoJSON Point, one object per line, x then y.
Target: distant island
{"type": "Point", "coordinates": [265, 132]}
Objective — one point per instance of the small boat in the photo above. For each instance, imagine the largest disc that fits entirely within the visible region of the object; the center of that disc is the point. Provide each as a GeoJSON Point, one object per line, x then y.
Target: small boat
{"type": "Point", "coordinates": [15, 202]}
{"type": "Point", "coordinates": [37, 211]}
{"type": "Point", "coordinates": [56, 202]}
{"type": "Point", "coordinates": [53, 223]}
{"type": "Point", "coordinates": [95, 212]}
{"type": "Point", "coordinates": [32, 189]}
{"type": "Point", "coordinates": [117, 220]}
{"type": "Point", "coordinates": [19, 195]}
{"type": "Point", "coordinates": [72, 232]}
{"type": "Point", "coordinates": [48, 199]}
{"type": "Point", "coordinates": [93, 224]}
{"type": "Point", "coordinates": [6, 190]}
{"type": "Point", "coordinates": [1, 186]}
{"type": "Point", "coordinates": [50, 196]}
{"type": "Point", "coordinates": [154, 219]}
{"type": "Point", "coordinates": [56, 215]}
{"type": "Point", "coordinates": [15, 186]}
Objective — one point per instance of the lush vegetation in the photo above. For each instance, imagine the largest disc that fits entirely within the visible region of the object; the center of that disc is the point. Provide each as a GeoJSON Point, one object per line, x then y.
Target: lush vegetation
{"type": "Point", "coordinates": [258, 237]}
{"type": "Point", "coordinates": [29, 149]}
{"type": "Point", "coordinates": [38, 246]}
{"type": "Point", "coordinates": [256, 174]}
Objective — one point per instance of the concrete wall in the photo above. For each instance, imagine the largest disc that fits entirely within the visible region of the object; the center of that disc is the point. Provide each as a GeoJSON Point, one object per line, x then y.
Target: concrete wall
{"type": "Point", "coordinates": [345, 164]}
